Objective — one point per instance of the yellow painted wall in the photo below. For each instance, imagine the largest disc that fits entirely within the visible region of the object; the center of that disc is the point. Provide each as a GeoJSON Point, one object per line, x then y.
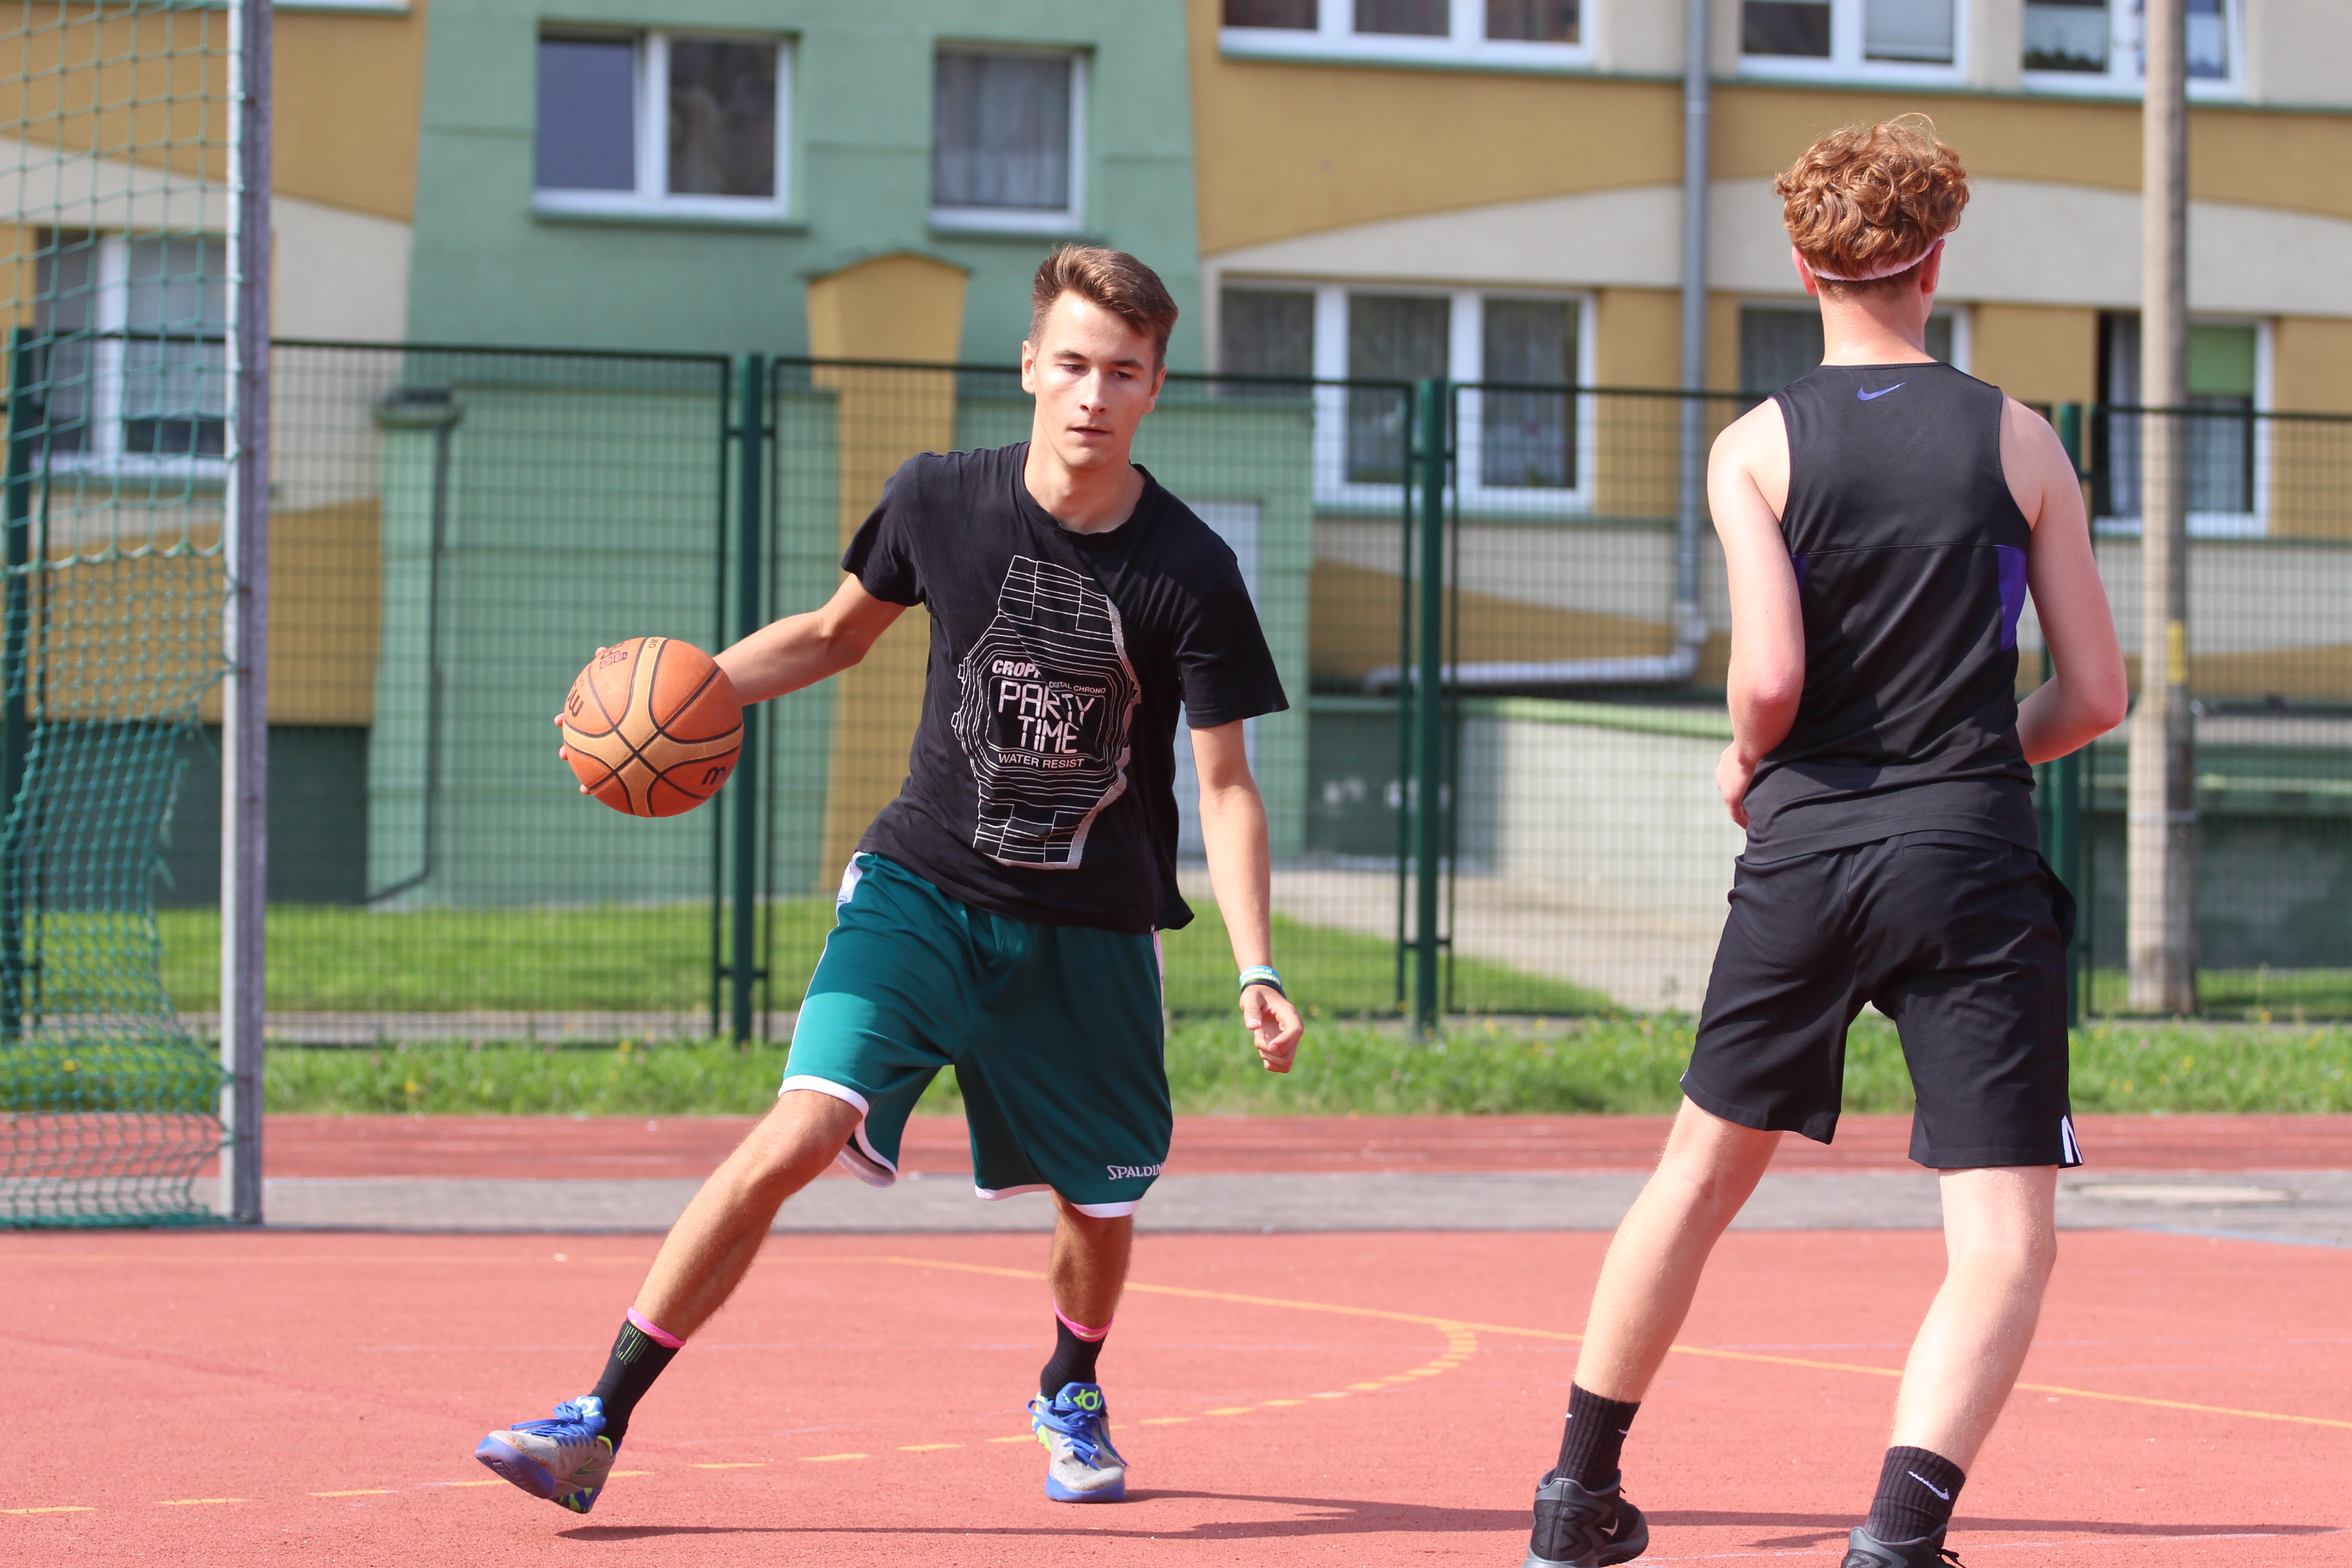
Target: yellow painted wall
{"type": "Point", "coordinates": [2311, 365]}
{"type": "Point", "coordinates": [2036, 353]}
{"type": "Point", "coordinates": [905, 308]}
{"type": "Point", "coordinates": [350, 93]}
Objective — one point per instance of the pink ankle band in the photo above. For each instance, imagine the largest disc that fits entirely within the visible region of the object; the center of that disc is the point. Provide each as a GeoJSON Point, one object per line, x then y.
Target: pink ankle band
{"type": "Point", "coordinates": [1079, 1329]}
{"type": "Point", "coordinates": [653, 1331]}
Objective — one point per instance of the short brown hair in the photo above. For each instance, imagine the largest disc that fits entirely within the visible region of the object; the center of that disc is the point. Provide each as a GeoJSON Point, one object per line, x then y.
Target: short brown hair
{"type": "Point", "coordinates": [1871, 196]}
{"type": "Point", "coordinates": [1111, 278]}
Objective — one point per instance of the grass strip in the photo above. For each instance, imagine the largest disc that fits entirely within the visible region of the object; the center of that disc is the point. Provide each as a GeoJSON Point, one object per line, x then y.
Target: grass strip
{"type": "Point", "coordinates": [1628, 1065]}
{"type": "Point", "coordinates": [656, 958]}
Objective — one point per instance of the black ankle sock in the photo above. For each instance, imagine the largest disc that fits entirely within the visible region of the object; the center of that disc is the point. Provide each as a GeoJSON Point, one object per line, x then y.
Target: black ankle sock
{"type": "Point", "coordinates": [1595, 1437]}
{"type": "Point", "coordinates": [636, 1360]}
{"type": "Point", "coordinates": [1915, 1492]}
{"type": "Point", "coordinates": [1073, 1360]}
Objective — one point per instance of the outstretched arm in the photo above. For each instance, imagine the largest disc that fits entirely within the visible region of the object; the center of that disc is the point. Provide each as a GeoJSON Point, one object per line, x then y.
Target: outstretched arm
{"type": "Point", "coordinates": [2088, 696]}
{"type": "Point", "coordinates": [1747, 486]}
{"type": "Point", "coordinates": [801, 650]}
{"type": "Point", "coordinates": [1233, 829]}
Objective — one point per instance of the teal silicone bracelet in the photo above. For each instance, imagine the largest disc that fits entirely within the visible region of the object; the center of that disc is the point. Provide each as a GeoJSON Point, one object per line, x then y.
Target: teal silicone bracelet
{"type": "Point", "coordinates": [1262, 974]}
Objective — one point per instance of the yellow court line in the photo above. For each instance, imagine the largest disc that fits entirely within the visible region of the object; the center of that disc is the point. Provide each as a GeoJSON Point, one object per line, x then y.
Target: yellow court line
{"type": "Point", "coordinates": [1230, 1410]}
{"type": "Point", "coordinates": [1025, 1437]}
{"type": "Point", "coordinates": [827, 1458]}
{"type": "Point", "coordinates": [610, 1475]}
{"type": "Point", "coordinates": [65, 1508]}
{"type": "Point", "coordinates": [1519, 1333]}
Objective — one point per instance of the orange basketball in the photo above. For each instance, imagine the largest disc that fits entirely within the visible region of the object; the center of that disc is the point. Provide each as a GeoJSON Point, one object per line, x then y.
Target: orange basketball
{"type": "Point", "coordinates": [653, 726]}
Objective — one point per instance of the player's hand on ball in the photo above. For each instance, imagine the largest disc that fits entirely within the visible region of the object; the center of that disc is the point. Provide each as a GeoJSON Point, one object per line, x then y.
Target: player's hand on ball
{"type": "Point", "coordinates": [1274, 1027]}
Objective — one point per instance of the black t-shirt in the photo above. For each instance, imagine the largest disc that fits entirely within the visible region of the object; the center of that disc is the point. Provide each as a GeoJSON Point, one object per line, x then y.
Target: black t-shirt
{"type": "Point", "coordinates": [1041, 784]}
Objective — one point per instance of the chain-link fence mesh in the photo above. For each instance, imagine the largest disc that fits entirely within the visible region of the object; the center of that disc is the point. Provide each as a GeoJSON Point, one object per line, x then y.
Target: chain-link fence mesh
{"type": "Point", "coordinates": [115, 165]}
{"type": "Point", "coordinates": [457, 529]}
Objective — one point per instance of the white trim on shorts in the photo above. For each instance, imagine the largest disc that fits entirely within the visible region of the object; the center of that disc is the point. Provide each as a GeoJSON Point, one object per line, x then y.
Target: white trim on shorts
{"type": "Point", "coordinates": [1092, 1211]}
{"type": "Point", "coordinates": [858, 1156]}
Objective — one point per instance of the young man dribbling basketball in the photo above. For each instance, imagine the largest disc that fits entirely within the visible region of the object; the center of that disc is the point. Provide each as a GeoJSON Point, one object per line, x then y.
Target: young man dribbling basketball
{"type": "Point", "coordinates": [1883, 521]}
{"type": "Point", "coordinates": [999, 915]}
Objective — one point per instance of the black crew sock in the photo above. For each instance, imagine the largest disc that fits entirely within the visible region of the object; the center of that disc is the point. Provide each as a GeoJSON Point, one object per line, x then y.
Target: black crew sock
{"type": "Point", "coordinates": [1073, 1360]}
{"type": "Point", "coordinates": [1589, 1448]}
{"type": "Point", "coordinates": [1915, 1492]}
{"type": "Point", "coordinates": [636, 1360]}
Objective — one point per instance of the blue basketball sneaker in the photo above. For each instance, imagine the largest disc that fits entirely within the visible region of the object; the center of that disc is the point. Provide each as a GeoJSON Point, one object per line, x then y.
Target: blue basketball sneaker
{"type": "Point", "coordinates": [564, 1458]}
{"type": "Point", "coordinates": [1074, 1427]}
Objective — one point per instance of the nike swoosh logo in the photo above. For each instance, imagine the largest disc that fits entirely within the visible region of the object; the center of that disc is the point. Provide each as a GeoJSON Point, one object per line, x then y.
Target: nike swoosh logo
{"type": "Point", "coordinates": [1861, 396]}
{"type": "Point", "coordinates": [1914, 1474]}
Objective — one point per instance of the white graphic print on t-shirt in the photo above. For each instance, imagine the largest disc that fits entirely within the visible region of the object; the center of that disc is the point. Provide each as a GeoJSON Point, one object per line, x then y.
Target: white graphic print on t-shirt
{"type": "Point", "coordinates": [1047, 700]}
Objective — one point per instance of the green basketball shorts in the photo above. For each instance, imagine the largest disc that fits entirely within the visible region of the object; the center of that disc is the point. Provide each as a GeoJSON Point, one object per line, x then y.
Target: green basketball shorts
{"type": "Point", "coordinates": [1054, 1034]}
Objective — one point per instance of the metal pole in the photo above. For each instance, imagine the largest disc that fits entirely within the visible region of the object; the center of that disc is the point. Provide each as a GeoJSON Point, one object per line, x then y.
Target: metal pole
{"type": "Point", "coordinates": [1690, 514]}
{"type": "Point", "coordinates": [28, 423]}
{"type": "Point", "coordinates": [1429, 711]}
{"type": "Point", "coordinates": [2161, 928]}
{"type": "Point", "coordinates": [244, 735]}
{"type": "Point", "coordinates": [751, 454]}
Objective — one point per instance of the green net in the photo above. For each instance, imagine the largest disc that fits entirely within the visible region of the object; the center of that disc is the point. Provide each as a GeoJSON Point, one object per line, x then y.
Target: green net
{"type": "Point", "coordinates": [114, 155]}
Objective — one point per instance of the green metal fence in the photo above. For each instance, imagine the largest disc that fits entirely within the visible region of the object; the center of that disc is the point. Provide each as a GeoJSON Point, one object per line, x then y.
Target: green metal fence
{"type": "Point", "coordinates": [459, 528]}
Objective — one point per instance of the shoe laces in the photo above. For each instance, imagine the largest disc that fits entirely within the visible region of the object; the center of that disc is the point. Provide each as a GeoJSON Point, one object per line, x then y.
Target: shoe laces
{"type": "Point", "coordinates": [1087, 1432]}
{"type": "Point", "coordinates": [573, 1421]}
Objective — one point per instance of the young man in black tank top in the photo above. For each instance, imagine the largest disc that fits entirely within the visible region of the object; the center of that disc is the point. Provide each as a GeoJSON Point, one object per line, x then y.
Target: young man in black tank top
{"type": "Point", "coordinates": [1882, 520]}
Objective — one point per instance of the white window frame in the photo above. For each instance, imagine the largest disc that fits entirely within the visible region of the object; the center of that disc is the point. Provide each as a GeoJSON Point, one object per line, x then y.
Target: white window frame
{"type": "Point", "coordinates": [2124, 77]}
{"type": "Point", "coordinates": [1465, 350]}
{"type": "Point", "coordinates": [108, 343]}
{"type": "Point", "coordinates": [1465, 44]}
{"type": "Point", "coordinates": [1846, 63]}
{"type": "Point", "coordinates": [651, 91]}
{"type": "Point", "coordinates": [1022, 220]}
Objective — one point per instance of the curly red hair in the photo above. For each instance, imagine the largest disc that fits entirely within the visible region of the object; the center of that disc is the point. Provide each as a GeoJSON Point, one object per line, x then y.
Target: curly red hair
{"type": "Point", "coordinates": [1866, 197]}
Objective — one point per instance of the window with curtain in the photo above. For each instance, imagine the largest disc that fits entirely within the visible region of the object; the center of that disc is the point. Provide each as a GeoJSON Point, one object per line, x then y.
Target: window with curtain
{"type": "Point", "coordinates": [1528, 438]}
{"type": "Point", "coordinates": [137, 364]}
{"type": "Point", "coordinates": [1419, 19]}
{"type": "Point", "coordinates": [1391, 337]}
{"type": "Point", "coordinates": [1852, 34]}
{"type": "Point", "coordinates": [2095, 43]}
{"type": "Point", "coordinates": [1002, 133]}
{"type": "Point", "coordinates": [659, 120]}
{"type": "Point", "coordinates": [1266, 331]}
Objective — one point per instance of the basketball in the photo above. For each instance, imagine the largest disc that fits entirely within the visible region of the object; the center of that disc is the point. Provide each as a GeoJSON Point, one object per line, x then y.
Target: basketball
{"type": "Point", "coordinates": [652, 727]}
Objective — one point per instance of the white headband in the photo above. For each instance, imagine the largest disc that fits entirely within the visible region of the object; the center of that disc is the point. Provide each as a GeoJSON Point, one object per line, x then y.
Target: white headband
{"type": "Point", "coordinates": [1889, 271]}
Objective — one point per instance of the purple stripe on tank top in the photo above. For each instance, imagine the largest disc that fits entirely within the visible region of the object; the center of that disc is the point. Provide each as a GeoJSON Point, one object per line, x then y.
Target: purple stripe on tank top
{"type": "Point", "coordinates": [1799, 562]}
{"type": "Point", "coordinates": [2012, 592]}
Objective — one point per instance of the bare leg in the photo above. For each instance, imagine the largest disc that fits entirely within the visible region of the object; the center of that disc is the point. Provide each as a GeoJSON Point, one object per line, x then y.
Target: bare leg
{"type": "Point", "coordinates": [710, 1248]}
{"type": "Point", "coordinates": [2000, 1242]}
{"type": "Point", "coordinates": [1710, 1168]}
{"type": "Point", "coordinates": [1089, 1264]}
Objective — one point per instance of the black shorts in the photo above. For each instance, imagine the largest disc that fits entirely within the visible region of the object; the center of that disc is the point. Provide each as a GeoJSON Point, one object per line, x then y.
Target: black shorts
{"type": "Point", "coordinates": [1961, 940]}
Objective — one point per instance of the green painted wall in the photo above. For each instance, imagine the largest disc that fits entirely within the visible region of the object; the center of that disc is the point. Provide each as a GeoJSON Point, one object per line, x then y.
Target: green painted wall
{"type": "Point", "coordinates": [486, 270]}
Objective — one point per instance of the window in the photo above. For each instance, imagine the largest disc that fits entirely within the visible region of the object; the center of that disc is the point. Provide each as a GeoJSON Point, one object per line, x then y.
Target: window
{"type": "Point", "coordinates": [660, 122]}
{"type": "Point", "coordinates": [2225, 388]}
{"type": "Point", "coordinates": [1007, 139]}
{"type": "Point", "coordinates": [136, 329]}
{"type": "Point", "coordinates": [1509, 33]}
{"type": "Point", "coordinates": [1523, 438]}
{"type": "Point", "coordinates": [2095, 45]}
{"type": "Point", "coordinates": [1780, 342]}
{"type": "Point", "coordinates": [1890, 38]}
{"type": "Point", "coordinates": [1266, 331]}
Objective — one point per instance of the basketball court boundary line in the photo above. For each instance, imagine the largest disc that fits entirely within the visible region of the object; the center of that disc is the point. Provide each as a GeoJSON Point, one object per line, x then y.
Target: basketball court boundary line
{"type": "Point", "coordinates": [1519, 1333]}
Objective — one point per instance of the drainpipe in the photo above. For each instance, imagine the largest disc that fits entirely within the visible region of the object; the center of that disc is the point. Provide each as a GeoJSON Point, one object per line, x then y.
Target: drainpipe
{"type": "Point", "coordinates": [1690, 618]}
{"type": "Point", "coordinates": [1677, 667]}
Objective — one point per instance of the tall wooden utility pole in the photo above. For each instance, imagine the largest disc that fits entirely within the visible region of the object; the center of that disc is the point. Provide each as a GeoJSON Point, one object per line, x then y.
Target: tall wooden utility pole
{"type": "Point", "coordinates": [2161, 922]}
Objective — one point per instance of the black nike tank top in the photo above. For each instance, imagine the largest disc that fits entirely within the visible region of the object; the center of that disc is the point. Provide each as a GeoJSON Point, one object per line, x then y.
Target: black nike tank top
{"type": "Point", "coordinates": [1910, 555]}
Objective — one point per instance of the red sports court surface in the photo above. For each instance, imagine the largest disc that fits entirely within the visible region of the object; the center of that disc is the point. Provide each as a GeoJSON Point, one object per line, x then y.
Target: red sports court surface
{"type": "Point", "coordinates": [1360, 1399]}
{"type": "Point", "coordinates": [690, 1146]}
